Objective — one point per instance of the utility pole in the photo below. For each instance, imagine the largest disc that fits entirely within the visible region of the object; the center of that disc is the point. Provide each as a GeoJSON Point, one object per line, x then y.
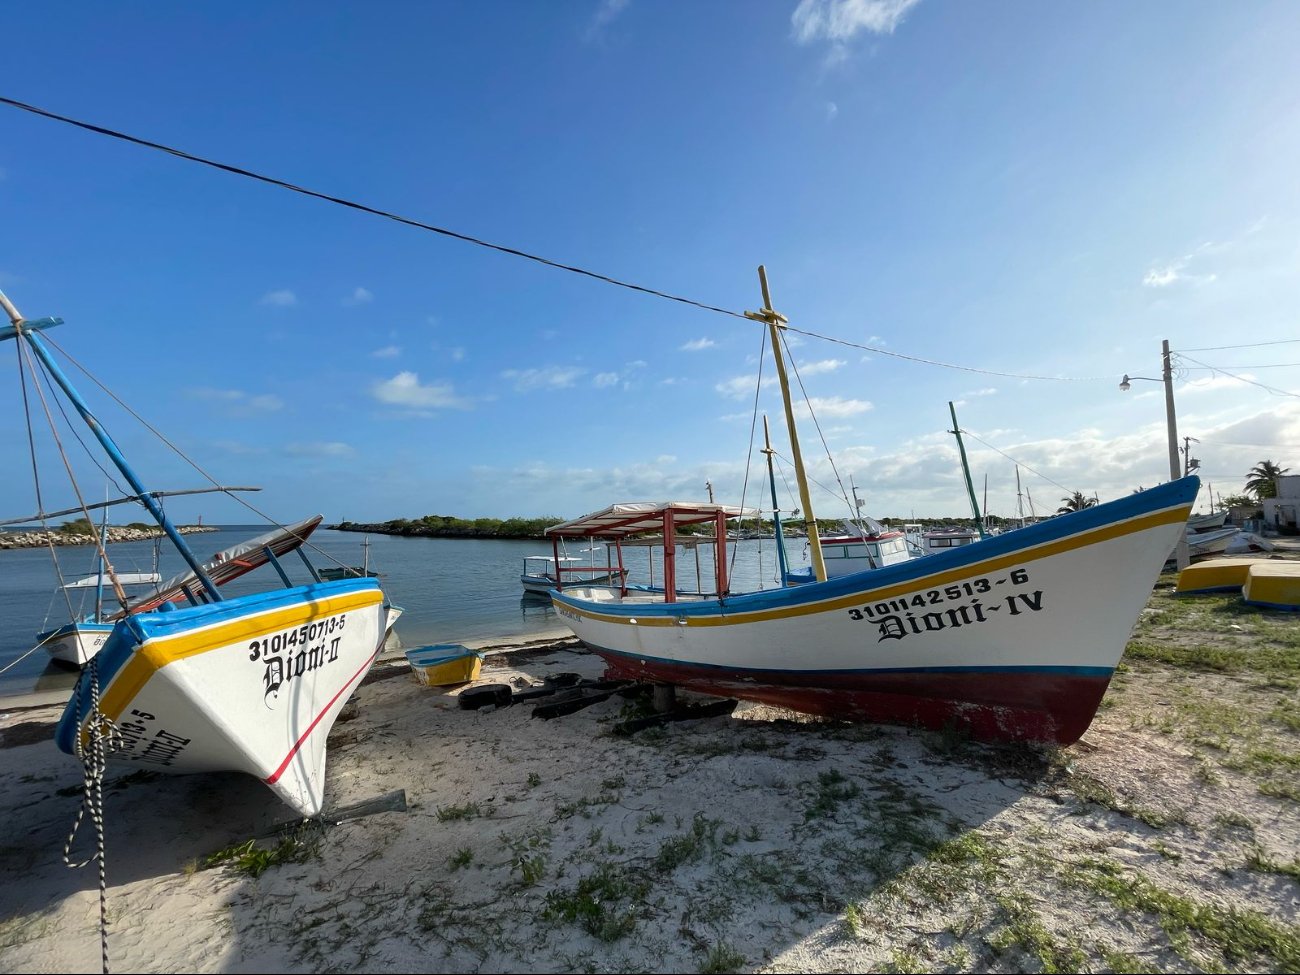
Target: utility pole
{"type": "Point", "coordinates": [1183, 556]}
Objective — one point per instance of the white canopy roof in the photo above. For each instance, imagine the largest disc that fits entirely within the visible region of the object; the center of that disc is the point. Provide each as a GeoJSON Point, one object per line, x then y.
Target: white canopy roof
{"type": "Point", "coordinates": [635, 517]}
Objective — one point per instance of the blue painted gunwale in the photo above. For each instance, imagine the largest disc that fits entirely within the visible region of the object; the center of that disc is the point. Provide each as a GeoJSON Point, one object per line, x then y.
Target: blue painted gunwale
{"type": "Point", "coordinates": [1166, 496]}
{"type": "Point", "coordinates": [132, 631]}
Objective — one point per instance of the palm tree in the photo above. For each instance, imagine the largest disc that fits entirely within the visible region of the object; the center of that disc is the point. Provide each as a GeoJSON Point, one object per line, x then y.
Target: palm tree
{"type": "Point", "coordinates": [1260, 479]}
{"type": "Point", "coordinates": [1076, 502]}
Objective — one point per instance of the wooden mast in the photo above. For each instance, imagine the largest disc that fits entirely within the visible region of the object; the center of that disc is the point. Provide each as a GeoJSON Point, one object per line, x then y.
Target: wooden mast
{"type": "Point", "coordinates": [776, 320]}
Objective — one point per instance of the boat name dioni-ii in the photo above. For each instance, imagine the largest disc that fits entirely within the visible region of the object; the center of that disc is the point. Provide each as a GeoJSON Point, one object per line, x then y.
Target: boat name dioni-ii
{"type": "Point", "coordinates": [310, 656]}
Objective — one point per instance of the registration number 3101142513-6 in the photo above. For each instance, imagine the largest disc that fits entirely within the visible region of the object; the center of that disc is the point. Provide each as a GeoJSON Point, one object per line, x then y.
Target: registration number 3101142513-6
{"type": "Point", "coordinates": [937, 597]}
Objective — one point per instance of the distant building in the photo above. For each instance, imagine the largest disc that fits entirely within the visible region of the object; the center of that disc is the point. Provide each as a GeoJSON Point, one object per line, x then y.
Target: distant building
{"type": "Point", "coordinates": [1280, 513]}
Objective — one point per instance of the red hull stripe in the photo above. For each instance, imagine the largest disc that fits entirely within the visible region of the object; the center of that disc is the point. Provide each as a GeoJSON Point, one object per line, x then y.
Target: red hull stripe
{"type": "Point", "coordinates": [316, 720]}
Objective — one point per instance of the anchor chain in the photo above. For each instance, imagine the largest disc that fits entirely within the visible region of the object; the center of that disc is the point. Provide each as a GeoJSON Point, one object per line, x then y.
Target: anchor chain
{"type": "Point", "coordinates": [100, 736]}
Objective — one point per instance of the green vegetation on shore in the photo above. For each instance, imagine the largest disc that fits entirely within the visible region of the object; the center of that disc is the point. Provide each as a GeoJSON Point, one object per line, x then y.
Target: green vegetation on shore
{"type": "Point", "coordinates": [448, 526]}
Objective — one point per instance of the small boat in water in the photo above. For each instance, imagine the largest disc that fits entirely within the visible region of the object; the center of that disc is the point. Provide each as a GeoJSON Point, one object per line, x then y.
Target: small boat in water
{"type": "Point", "coordinates": [543, 573]}
{"type": "Point", "coordinates": [249, 683]}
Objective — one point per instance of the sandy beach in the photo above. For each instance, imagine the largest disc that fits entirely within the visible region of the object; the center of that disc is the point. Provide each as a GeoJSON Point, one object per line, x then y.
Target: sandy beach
{"type": "Point", "coordinates": [1165, 840]}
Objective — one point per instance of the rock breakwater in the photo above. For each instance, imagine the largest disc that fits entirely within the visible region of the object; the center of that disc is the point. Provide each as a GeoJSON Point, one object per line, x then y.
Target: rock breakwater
{"type": "Point", "coordinates": [39, 539]}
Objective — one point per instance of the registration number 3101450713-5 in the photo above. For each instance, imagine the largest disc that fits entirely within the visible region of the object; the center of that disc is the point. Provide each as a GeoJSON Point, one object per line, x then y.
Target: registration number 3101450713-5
{"type": "Point", "coordinates": [289, 640]}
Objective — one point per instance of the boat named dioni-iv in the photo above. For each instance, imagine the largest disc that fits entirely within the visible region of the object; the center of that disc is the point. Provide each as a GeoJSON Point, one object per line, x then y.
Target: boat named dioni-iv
{"type": "Point", "coordinates": [1012, 639]}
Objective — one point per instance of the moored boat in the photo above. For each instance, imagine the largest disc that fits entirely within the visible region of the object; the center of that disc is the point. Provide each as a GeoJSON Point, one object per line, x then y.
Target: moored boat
{"type": "Point", "coordinates": [250, 683]}
{"type": "Point", "coordinates": [1013, 639]}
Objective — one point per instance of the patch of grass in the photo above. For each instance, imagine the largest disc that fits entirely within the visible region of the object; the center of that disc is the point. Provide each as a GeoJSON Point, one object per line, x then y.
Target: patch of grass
{"type": "Point", "coordinates": [853, 920]}
{"type": "Point", "coordinates": [1024, 931]}
{"type": "Point", "coordinates": [448, 814]}
{"type": "Point", "coordinates": [1233, 820]}
{"type": "Point", "coordinates": [529, 856]}
{"type": "Point", "coordinates": [721, 958]}
{"type": "Point", "coordinates": [1281, 789]}
{"type": "Point", "coordinates": [16, 931]}
{"type": "Point", "coordinates": [1236, 934]}
{"type": "Point", "coordinates": [296, 847]}
{"type": "Point", "coordinates": [585, 805]}
{"type": "Point", "coordinates": [1089, 788]}
{"type": "Point", "coordinates": [461, 858]}
{"type": "Point", "coordinates": [603, 902]}
{"type": "Point", "coordinates": [1122, 963]}
{"type": "Point", "coordinates": [534, 780]}
{"type": "Point", "coordinates": [688, 846]}
{"type": "Point", "coordinates": [832, 789]}
{"type": "Point", "coordinates": [1259, 861]}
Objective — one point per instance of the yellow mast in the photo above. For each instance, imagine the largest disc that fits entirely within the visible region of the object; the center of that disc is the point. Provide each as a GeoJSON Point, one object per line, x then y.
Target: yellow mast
{"type": "Point", "coordinates": [776, 320]}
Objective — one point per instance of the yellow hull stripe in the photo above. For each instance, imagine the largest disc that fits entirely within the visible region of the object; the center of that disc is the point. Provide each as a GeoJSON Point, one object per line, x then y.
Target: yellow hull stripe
{"type": "Point", "coordinates": [153, 655]}
{"type": "Point", "coordinates": [1047, 549]}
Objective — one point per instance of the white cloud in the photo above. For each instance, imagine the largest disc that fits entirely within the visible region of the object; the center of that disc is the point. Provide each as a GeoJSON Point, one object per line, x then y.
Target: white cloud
{"type": "Point", "coordinates": [986, 391]}
{"type": "Point", "coordinates": [284, 298]}
{"type": "Point", "coordinates": [839, 21]}
{"type": "Point", "coordinates": [825, 365]}
{"type": "Point", "coordinates": [359, 296]}
{"type": "Point", "coordinates": [330, 448]}
{"type": "Point", "coordinates": [551, 377]}
{"type": "Point", "coordinates": [831, 111]}
{"type": "Point", "coordinates": [607, 11]}
{"type": "Point", "coordinates": [1161, 277]}
{"type": "Point", "coordinates": [1176, 270]}
{"type": "Point", "coordinates": [695, 345]}
{"type": "Point", "coordinates": [405, 390]}
{"type": "Point", "coordinates": [603, 379]}
{"type": "Point", "coordinates": [837, 406]}
{"type": "Point", "coordinates": [739, 387]}
{"type": "Point", "coordinates": [387, 352]}
{"type": "Point", "coordinates": [237, 402]}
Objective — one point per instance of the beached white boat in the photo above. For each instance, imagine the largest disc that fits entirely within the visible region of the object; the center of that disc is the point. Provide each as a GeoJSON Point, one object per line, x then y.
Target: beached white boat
{"type": "Point", "coordinates": [1210, 522]}
{"type": "Point", "coordinates": [1203, 543]}
{"type": "Point", "coordinates": [250, 683]}
{"type": "Point", "coordinates": [1015, 638]}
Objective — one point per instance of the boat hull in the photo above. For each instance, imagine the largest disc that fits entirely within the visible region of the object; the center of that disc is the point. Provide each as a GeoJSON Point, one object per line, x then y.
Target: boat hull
{"type": "Point", "coordinates": [75, 643]}
{"type": "Point", "coordinates": [1012, 639]}
{"type": "Point", "coordinates": [545, 585]}
{"type": "Point", "coordinates": [251, 684]}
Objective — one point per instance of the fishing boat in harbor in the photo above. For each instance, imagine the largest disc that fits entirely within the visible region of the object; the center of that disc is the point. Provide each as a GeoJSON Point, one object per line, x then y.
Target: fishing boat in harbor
{"type": "Point", "coordinates": [249, 683]}
{"type": "Point", "coordinates": [1013, 639]}
{"type": "Point", "coordinates": [543, 573]}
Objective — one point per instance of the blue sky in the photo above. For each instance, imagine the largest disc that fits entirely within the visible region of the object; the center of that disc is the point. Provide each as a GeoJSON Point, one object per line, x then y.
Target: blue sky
{"type": "Point", "coordinates": [1029, 189]}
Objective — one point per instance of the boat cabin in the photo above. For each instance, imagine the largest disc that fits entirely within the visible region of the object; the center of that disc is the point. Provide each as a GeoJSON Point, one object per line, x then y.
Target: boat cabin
{"type": "Point", "coordinates": [651, 523]}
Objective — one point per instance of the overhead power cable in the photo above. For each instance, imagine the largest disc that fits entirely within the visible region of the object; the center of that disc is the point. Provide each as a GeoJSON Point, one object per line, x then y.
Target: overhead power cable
{"type": "Point", "coordinates": [501, 248]}
{"type": "Point", "coordinates": [1248, 345]}
{"type": "Point", "coordinates": [1272, 389]}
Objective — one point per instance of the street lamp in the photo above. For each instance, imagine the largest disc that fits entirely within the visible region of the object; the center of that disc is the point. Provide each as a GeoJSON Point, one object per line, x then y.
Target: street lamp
{"type": "Point", "coordinates": [1184, 557]}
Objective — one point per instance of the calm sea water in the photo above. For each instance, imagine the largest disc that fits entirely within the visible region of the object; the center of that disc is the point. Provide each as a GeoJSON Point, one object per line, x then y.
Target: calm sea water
{"type": "Point", "coordinates": [452, 590]}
